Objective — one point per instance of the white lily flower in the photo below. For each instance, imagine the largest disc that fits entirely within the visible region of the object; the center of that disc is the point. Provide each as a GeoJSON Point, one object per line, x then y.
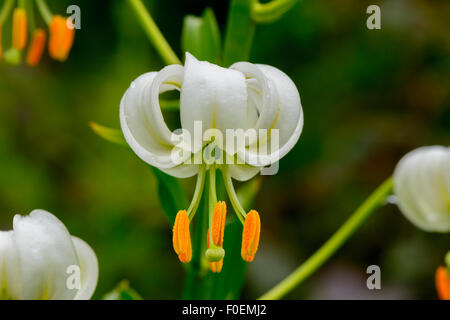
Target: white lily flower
{"type": "Point", "coordinates": [245, 96]}
{"type": "Point", "coordinates": [259, 100]}
{"type": "Point", "coordinates": [422, 187]}
{"type": "Point", "coordinates": [37, 257]}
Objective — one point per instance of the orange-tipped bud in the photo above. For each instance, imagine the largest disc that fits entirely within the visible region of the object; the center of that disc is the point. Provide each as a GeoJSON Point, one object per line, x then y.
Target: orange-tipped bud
{"type": "Point", "coordinates": [61, 38]}
{"type": "Point", "coordinates": [36, 48]}
{"type": "Point", "coordinates": [250, 236]}
{"type": "Point", "coordinates": [19, 29]}
{"type": "Point", "coordinates": [442, 279]}
{"type": "Point", "coordinates": [182, 237]}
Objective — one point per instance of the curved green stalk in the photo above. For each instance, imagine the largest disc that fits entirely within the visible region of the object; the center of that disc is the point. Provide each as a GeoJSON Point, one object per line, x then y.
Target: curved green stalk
{"type": "Point", "coordinates": [375, 200]}
{"type": "Point", "coordinates": [197, 192]}
{"type": "Point", "coordinates": [153, 33]}
{"type": "Point", "coordinates": [240, 212]}
{"type": "Point", "coordinates": [30, 15]}
{"type": "Point", "coordinates": [46, 14]}
{"type": "Point", "coordinates": [6, 10]}
{"type": "Point", "coordinates": [271, 11]}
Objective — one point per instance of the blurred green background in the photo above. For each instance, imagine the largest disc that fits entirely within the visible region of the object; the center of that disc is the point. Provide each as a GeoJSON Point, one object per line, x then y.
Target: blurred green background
{"type": "Point", "coordinates": [369, 96]}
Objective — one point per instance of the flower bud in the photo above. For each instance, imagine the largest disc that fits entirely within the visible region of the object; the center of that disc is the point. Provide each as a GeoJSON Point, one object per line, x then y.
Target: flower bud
{"type": "Point", "coordinates": [39, 260]}
{"type": "Point", "coordinates": [422, 187]}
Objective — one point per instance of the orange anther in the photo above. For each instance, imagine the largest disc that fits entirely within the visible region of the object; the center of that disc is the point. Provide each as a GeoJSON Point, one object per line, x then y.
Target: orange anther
{"type": "Point", "coordinates": [36, 47]}
{"type": "Point", "coordinates": [182, 237]}
{"type": "Point", "coordinates": [19, 29]}
{"type": "Point", "coordinates": [250, 236]}
{"type": "Point", "coordinates": [61, 38]}
{"type": "Point", "coordinates": [216, 267]}
{"type": "Point", "coordinates": [218, 223]}
{"type": "Point", "coordinates": [442, 279]}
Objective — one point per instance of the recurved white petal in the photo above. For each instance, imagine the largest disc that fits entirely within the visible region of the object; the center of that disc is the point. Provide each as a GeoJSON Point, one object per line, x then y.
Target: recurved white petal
{"type": "Point", "coordinates": [182, 170]}
{"type": "Point", "coordinates": [289, 121]}
{"type": "Point", "coordinates": [215, 96]}
{"type": "Point", "coordinates": [422, 186]}
{"type": "Point", "coordinates": [142, 121]}
{"type": "Point", "coordinates": [45, 250]}
{"type": "Point", "coordinates": [278, 102]}
{"type": "Point", "coordinates": [243, 172]}
{"type": "Point", "coordinates": [261, 92]}
{"type": "Point", "coordinates": [89, 269]}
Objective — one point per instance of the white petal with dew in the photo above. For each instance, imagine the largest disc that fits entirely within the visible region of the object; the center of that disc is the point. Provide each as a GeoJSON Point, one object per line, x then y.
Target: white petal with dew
{"type": "Point", "coordinates": [45, 251]}
{"type": "Point", "coordinates": [89, 269]}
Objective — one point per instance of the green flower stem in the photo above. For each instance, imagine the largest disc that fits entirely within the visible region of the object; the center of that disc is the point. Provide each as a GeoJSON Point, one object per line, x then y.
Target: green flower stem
{"type": "Point", "coordinates": [197, 192]}
{"type": "Point", "coordinates": [46, 14]}
{"type": "Point", "coordinates": [30, 15]}
{"type": "Point", "coordinates": [153, 33]}
{"type": "Point", "coordinates": [239, 32]}
{"type": "Point", "coordinates": [6, 10]}
{"type": "Point", "coordinates": [240, 212]}
{"type": "Point", "coordinates": [271, 11]}
{"type": "Point", "coordinates": [374, 201]}
{"type": "Point", "coordinates": [198, 268]}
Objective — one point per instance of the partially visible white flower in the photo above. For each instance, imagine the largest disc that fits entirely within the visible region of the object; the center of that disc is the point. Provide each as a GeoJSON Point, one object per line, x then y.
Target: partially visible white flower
{"type": "Point", "coordinates": [35, 258]}
{"type": "Point", "coordinates": [422, 186]}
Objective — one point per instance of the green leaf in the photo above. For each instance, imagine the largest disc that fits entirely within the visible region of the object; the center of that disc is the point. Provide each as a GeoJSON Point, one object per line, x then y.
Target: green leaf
{"type": "Point", "coordinates": [248, 192]}
{"type": "Point", "coordinates": [109, 134]}
{"type": "Point", "coordinates": [171, 195]}
{"type": "Point", "coordinates": [239, 32]}
{"type": "Point", "coordinates": [201, 37]}
{"type": "Point", "coordinates": [122, 292]}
